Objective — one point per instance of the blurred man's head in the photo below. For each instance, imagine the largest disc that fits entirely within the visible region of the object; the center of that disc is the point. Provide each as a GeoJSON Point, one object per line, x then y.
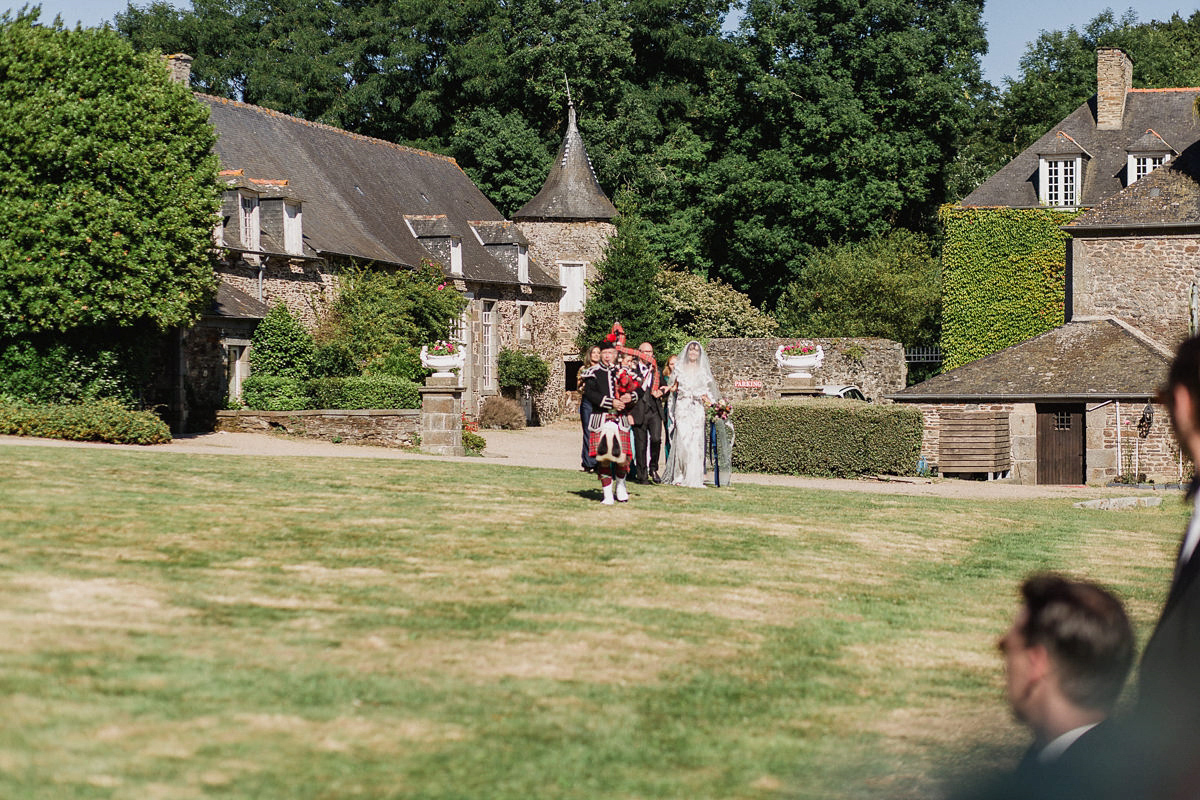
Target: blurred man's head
{"type": "Point", "coordinates": [1067, 654]}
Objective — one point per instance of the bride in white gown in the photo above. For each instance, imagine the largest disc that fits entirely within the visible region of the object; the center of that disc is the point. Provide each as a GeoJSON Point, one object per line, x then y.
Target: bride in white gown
{"type": "Point", "coordinates": [693, 390]}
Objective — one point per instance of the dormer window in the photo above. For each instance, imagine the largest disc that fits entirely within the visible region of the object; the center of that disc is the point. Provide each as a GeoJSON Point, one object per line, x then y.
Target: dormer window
{"type": "Point", "coordinates": [293, 236]}
{"type": "Point", "coordinates": [1141, 166]}
{"type": "Point", "coordinates": [1060, 184]}
{"type": "Point", "coordinates": [522, 263]}
{"type": "Point", "coordinates": [1060, 172]}
{"type": "Point", "coordinates": [248, 220]}
{"type": "Point", "coordinates": [456, 258]}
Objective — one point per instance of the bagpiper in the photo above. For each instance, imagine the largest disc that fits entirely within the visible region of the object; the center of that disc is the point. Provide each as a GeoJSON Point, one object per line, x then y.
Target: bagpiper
{"type": "Point", "coordinates": [611, 389]}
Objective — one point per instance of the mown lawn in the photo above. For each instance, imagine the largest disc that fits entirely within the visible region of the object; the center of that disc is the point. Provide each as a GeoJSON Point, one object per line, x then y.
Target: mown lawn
{"type": "Point", "coordinates": [180, 626]}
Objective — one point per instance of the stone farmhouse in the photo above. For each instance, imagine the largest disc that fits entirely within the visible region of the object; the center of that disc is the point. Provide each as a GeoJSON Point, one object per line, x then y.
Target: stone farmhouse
{"type": "Point", "coordinates": [304, 201]}
{"type": "Point", "coordinates": [1076, 404]}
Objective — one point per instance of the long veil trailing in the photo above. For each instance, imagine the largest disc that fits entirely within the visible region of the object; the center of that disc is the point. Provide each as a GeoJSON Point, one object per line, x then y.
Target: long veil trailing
{"type": "Point", "coordinates": [694, 389]}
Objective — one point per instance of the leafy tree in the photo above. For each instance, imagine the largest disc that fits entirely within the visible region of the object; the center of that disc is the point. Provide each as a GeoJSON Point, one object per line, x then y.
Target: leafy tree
{"type": "Point", "coordinates": [626, 291]}
{"type": "Point", "coordinates": [888, 286]}
{"type": "Point", "coordinates": [380, 319]}
{"type": "Point", "coordinates": [282, 347]}
{"type": "Point", "coordinates": [108, 185]}
{"type": "Point", "coordinates": [702, 309]}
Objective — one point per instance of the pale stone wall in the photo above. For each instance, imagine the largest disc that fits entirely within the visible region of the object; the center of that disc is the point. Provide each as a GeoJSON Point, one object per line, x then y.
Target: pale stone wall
{"type": "Point", "coordinates": [1145, 281]}
{"type": "Point", "coordinates": [306, 287]}
{"type": "Point", "coordinates": [390, 428]}
{"type": "Point", "coordinates": [1157, 455]}
{"type": "Point", "coordinates": [875, 365]}
{"type": "Point", "coordinates": [554, 242]}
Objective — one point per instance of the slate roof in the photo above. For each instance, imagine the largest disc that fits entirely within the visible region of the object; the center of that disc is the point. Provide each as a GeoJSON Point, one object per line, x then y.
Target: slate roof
{"type": "Point", "coordinates": [356, 190]}
{"type": "Point", "coordinates": [1085, 360]}
{"type": "Point", "coordinates": [233, 302]}
{"type": "Point", "coordinates": [1169, 197]}
{"type": "Point", "coordinates": [1167, 112]}
{"type": "Point", "coordinates": [571, 191]}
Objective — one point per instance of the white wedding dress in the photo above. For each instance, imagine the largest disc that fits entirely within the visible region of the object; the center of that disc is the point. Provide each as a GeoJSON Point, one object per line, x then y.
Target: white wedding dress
{"type": "Point", "coordinates": [693, 383]}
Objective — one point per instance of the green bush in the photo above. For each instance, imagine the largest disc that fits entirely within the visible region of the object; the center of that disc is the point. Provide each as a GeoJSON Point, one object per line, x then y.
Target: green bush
{"type": "Point", "coordinates": [822, 436]}
{"type": "Point", "coordinates": [333, 360]}
{"type": "Point", "coordinates": [78, 366]}
{"type": "Point", "coordinates": [364, 391]}
{"type": "Point", "coordinates": [516, 369]}
{"type": "Point", "coordinates": [281, 346]}
{"type": "Point", "coordinates": [473, 443]}
{"type": "Point", "coordinates": [95, 421]}
{"type": "Point", "coordinates": [275, 393]}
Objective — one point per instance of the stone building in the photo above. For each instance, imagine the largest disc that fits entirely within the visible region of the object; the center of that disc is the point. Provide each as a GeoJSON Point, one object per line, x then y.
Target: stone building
{"type": "Point", "coordinates": [568, 224]}
{"type": "Point", "coordinates": [304, 201]}
{"type": "Point", "coordinates": [1076, 404]}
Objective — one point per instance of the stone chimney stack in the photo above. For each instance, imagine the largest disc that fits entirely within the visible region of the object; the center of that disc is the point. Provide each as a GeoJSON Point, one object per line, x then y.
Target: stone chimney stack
{"type": "Point", "coordinates": [180, 65]}
{"type": "Point", "coordinates": [1114, 79]}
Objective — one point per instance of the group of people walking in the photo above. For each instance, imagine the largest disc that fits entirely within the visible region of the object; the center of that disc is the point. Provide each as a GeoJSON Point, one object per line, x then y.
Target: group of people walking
{"type": "Point", "coordinates": [632, 411]}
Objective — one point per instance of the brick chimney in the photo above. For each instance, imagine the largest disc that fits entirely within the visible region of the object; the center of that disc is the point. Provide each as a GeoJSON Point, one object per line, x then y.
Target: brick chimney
{"type": "Point", "coordinates": [1114, 79]}
{"type": "Point", "coordinates": [180, 66]}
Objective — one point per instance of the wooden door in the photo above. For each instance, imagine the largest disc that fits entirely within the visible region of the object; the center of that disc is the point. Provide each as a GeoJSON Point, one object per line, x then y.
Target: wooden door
{"type": "Point", "coordinates": [1060, 443]}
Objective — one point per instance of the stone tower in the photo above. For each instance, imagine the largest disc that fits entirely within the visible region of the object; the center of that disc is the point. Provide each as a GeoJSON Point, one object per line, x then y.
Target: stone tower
{"type": "Point", "coordinates": [568, 224]}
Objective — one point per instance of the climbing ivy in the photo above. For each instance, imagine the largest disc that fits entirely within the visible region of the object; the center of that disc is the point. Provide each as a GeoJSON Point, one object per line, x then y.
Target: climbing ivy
{"type": "Point", "coordinates": [1003, 278]}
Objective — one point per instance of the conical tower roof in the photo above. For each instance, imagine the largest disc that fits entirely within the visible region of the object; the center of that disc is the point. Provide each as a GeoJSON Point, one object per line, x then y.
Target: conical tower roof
{"type": "Point", "coordinates": [571, 191]}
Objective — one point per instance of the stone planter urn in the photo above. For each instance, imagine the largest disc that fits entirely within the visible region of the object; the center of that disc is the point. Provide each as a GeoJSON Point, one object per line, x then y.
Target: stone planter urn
{"type": "Point", "coordinates": [800, 365]}
{"type": "Point", "coordinates": [442, 364]}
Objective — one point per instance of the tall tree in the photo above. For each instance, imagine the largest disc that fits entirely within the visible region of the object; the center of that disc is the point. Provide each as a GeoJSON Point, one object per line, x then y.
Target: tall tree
{"type": "Point", "coordinates": [108, 185]}
{"type": "Point", "coordinates": [626, 291]}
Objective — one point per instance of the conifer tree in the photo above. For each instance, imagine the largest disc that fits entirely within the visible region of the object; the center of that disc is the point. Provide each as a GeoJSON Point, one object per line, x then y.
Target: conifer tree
{"type": "Point", "coordinates": [626, 291]}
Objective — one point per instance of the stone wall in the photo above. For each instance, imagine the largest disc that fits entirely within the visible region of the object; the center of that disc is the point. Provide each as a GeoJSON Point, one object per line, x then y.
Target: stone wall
{"type": "Point", "coordinates": [391, 428]}
{"type": "Point", "coordinates": [306, 287]}
{"type": "Point", "coordinates": [1157, 455]}
{"type": "Point", "coordinates": [1145, 281]}
{"type": "Point", "coordinates": [746, 368]}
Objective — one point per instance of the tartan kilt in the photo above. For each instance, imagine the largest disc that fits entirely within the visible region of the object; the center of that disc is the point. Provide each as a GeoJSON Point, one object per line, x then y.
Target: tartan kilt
{"type": "Point", "coordinates": [596, 423]}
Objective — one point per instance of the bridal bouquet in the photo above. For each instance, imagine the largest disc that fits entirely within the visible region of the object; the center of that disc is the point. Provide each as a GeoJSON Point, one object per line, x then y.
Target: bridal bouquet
{"type": "Point", "coordinates": [719, 410]}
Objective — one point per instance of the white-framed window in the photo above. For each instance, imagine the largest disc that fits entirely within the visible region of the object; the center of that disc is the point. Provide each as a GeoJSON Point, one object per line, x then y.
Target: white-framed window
{"type": "Point", "coordinates": [293, 234]}
{"type": "Point", "coordinates": [522, 263]}
{"type": "Point", "coordinates": [572, 275]}
{"type": "Point", "coordinates": [487, 348]}
{"type": "Point", "coordinates": [1059, 181]}
{"type": "Point", "coordinates": [525, 322]}
{"type": "Point", "coordinates": [456, 261]}
{"type": "Point", "coordinates": [248, 220]}
{"type": "Point", "coordinates": [1139, 166]}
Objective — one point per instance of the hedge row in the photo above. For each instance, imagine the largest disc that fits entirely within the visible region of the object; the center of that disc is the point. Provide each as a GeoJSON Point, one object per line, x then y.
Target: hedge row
{"type": "Point", "coordinates": [271, 393]}
{"type": "Point", "coordinates": [826, 437]}
{"type": "Point", "coordinates": [93, 421]}
{"type": "Point", "coordinates": [1003, 278]}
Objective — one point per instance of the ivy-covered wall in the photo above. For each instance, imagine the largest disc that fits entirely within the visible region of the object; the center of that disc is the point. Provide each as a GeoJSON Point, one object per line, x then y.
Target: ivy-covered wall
{"type": "Point", "coordinates": [1003, 278]}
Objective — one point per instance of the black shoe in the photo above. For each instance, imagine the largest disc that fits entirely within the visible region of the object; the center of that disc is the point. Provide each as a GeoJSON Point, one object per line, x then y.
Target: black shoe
{"type": "Point", "coordinates": [654, 478]}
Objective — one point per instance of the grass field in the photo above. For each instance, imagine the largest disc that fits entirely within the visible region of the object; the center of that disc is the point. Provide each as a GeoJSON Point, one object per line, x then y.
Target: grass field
{"type": "Point", "coordinates": [181, 626]}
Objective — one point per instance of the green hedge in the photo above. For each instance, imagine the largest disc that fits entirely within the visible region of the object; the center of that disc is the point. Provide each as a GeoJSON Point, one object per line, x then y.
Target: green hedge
{"type": "Point", "coordinates": [95, 421]}
{"type": "Point", "coordinates": [364, 391]}
{"type": "Point", "coordinates": [273, 393]}
{"type": "Point", "coordinates": [1003, 278]}
{"type": "Point", "coordinates": [827, 437]}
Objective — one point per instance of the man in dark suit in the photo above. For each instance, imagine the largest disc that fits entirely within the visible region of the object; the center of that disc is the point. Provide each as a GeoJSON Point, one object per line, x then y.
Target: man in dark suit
{"type": "Point", "coordinates": [1066, 658]}
{"type": "Point", "coordinates": [648, 417]}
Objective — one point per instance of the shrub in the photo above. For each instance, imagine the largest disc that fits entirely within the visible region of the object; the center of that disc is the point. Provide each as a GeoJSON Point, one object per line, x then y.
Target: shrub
{"type": "Point", "coordinates": [501, 412]}
{"type": "Point", "coordinates": [473, 443]}
{"type": "Point", "coordinates": [281, 347]}
{"type": "Point", "coordinates": [820, 436]}
{"type": "Point", "coordinates": [275, 393]}
{"type": "Point", "coordinates": [402, 361]}
{"type": "Point", "coordinates": [364, 391]}
{"type": "Point", "coordinates": [80, 365]}
{"type": "Point", "coordinates": [95, 421]}
{"type": "Point", "coordinates": [333, 360]}
{"type": "Point", "coordinates": [516, 369]}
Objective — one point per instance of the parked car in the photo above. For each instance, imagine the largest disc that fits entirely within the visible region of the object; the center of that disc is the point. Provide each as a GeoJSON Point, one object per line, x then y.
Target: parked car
{"type": "Point", "coordinates": [843, 391]}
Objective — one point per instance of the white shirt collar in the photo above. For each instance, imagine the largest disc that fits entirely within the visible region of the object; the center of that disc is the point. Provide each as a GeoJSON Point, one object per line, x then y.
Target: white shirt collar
{"type": "Point", "coordinates": [1059, 745]}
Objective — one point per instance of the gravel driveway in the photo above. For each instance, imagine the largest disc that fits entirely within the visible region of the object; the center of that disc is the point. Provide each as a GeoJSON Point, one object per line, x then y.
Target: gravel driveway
{"type": "Point", "coordinates": [557, 446]}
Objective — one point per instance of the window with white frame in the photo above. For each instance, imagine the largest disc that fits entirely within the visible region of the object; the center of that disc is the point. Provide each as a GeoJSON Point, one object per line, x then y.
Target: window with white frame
{"type": "Point", "coordinates": [1140, 166]}
{"type": "Point", "coordinates": [293, 235]}
{"type": "Point", "coordinates": [571, 275]}
{"type": "Point", "coordinates": [1060, 181]}
{"type": "Point", "coordinates": [248, 221]}
{"type": "Point", "coordinates": [487, 349]}
{"type": "Point", "coordinates": [237, 368]}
